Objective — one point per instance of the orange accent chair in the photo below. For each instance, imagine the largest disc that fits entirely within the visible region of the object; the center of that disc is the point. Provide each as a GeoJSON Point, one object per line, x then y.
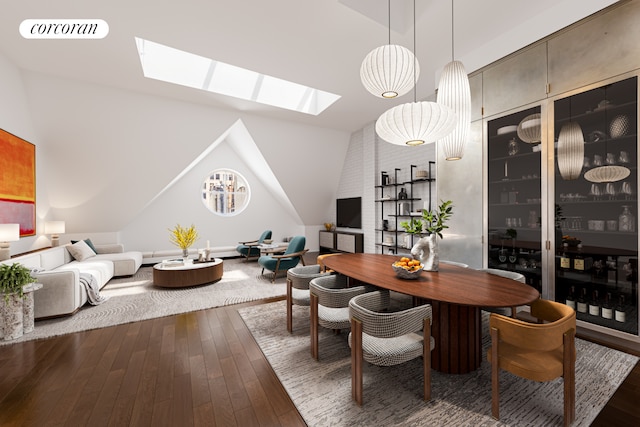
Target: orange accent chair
{"type": "Point", "coordinates": [540, 351]}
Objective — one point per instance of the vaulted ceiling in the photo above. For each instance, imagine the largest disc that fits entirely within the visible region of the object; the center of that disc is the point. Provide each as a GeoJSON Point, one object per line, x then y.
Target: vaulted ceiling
{"type": "Point", "coordinates": [316, 43]}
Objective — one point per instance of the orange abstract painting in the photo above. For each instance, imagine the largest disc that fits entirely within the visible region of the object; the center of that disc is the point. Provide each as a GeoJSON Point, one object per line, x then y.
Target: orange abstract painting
{"type": "Point", "coordinates": [17, 183]}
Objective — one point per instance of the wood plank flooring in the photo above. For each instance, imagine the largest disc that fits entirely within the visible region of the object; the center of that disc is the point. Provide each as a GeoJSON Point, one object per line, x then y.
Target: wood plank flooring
{"type": "Point", "coordinates": [199, 368]}
{"type": "Point", "coordinates": [193, 369]}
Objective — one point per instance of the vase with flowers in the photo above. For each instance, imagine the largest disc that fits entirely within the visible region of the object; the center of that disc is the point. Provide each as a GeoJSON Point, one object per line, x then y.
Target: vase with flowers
{"type": "Point", "coordinates": [432, 222]}
{"type": "Point", "coordinates": [183, 237]}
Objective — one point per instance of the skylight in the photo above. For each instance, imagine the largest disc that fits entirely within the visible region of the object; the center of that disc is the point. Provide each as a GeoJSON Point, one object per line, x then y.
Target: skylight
{"type": "Point", "coordinates": [177, 66]}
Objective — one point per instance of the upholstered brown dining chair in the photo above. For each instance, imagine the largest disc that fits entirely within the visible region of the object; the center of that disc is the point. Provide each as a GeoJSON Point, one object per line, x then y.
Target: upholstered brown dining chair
{"type": "Point", "coordinates": [385, 337]}
{"type": "Point", "coordinates": [535, 351]}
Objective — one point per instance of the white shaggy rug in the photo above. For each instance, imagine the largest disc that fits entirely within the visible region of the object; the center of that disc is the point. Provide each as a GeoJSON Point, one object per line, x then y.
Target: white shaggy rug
{"type": "Point", "coordinates": [136, 298]}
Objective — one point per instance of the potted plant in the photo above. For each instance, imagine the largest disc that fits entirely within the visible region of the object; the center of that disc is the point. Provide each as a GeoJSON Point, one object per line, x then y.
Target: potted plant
{"type": "Point", "coordinates": [13, 279]}
{"type": "Point", "coordinates": [433, 222]}
{"type": "Point", "coordinates": [183, 237]}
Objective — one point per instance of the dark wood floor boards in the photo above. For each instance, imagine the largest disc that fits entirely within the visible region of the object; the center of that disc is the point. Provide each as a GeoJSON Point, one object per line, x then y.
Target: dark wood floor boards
{"type": "Point", "coordinates": [202, 369]}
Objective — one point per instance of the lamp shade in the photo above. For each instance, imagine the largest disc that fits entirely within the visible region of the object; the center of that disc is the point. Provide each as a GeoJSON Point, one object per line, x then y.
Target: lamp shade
{"type": "Point", "coordinates": [454, 92]}
{"type": "Point", "coordinates": [607, 174]}
{"type": "Point", "coordinates": [388, 71]}
{"type": "Point", "coordinates": [570, 151]}
{"type": "Point", "coordinates": [529, 129]}
{"type": "Point", "coordinates": [415, 123]}
{"type": "Point", "coordinates": [54, 227]}
{"type": "Point", "coordinates": [9, 232]}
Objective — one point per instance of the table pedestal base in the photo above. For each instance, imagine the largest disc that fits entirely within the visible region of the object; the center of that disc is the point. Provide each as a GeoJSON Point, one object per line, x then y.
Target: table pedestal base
{"type": "Point", "coordinates": [457, 331]}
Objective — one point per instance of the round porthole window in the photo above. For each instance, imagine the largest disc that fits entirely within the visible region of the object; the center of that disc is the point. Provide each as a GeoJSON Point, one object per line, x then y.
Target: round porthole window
{"type": "Point", "coordinates": [225, 192]}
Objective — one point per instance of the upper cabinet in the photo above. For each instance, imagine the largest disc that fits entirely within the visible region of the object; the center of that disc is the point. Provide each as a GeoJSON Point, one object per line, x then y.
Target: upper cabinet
{"type": "Point", "coordinates": [516, 81]}
{"type": "Point", "coordinates": [595, 50]}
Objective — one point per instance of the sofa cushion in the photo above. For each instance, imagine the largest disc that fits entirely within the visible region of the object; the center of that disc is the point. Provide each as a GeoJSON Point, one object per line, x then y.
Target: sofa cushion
{"type": "Point", "coordinates": [88, 242]}
{"type": "Point", "coordinates": [124, 264]}
{"type": "Point", "coordinates": [81, 251]}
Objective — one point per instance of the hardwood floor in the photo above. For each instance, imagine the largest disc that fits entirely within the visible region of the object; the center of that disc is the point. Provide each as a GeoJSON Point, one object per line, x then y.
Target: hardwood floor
{"type": "Point", "coordinates": [199, 368]}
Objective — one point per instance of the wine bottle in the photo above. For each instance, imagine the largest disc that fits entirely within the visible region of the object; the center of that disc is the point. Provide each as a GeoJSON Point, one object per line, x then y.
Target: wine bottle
{"type": "Point", "coordinates": [620, 312]}
{"type": "Point", "coordinates": [565, 261]}
{"type": "Point", "coordinates": [571, 298]}
{"type": "Point", "coordinates": [582, 301]}
{"type": "Point", "coordinates": [594, 304]}
{"type": "Point", "coordinates": [607, 310]}
{"type": "Point", "coordinates": [578, 260]}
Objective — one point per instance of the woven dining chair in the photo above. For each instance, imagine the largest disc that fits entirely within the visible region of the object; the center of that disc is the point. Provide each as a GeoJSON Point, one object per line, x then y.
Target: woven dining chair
{"type": "Point", "coordinates": [387, 338]}
{"type": "Point", "coordinates": [540, 351]}
{"type": "Point", "coordinates": [329, 297]}
{"type": "Point", "coordinates": [298, 279]}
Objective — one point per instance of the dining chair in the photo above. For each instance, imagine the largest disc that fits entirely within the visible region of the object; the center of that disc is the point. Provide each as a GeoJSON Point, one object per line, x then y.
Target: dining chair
{"type": "Point", "coordinates": [513, 275]}
{"type": "Point", "coordinates": [250, 248]}
{"type": "Point", "coordinates": [320, 259]}
{"type": "Point", "coordinates": [535, 351]}
{"type": "Point", "coordinates": [329, 300]}
{"type": "Point", "coordinates": [293, 255]}
{"type": "Point", "coordinates": [387, 338]}
{"type": "Point", "coordinates": [298, 279]}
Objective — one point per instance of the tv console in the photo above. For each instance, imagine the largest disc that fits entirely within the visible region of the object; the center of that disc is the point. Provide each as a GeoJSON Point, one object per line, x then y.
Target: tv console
{"type": "Point", "coordinates": [341, 241]}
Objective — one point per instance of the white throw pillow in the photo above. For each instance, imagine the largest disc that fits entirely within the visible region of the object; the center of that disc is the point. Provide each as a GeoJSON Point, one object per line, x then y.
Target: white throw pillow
{"type": "Point", "coordinates": [81, 251]}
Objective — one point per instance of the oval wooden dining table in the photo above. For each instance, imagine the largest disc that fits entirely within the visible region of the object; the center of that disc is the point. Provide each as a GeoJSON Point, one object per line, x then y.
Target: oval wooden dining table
{"type": "Point", "coordinates": [456, 295]}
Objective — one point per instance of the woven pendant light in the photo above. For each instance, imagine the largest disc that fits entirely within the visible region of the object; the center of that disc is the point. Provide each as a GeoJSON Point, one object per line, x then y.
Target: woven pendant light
{"type": "Point", "coordinates": [570, 151]}
{"type": "Point", "coordinates": [454, 92]}
{"type": "Point", "coordinates": [415, 123]}
{"type": "Point", "coordinates": [389, 71]}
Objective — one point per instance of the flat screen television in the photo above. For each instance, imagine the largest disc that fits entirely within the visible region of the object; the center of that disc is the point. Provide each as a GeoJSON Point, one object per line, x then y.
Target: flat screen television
{"type": "Point", "coordinates": [349, 212]}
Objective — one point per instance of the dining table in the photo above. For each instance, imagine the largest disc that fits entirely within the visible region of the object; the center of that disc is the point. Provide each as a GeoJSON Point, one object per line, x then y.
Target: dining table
{"type": "Point", "coordinates": [456, 294]}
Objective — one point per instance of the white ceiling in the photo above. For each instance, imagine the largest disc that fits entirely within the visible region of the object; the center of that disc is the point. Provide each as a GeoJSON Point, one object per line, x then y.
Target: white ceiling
{"type": "Point", "coordinates": [319, 43]}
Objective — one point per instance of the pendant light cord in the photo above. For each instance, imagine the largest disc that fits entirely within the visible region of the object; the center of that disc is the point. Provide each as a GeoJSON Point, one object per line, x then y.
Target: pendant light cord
{"type": "Point", "coordinates": [453, 56]}
{"type": "Point", "coordinates": [415, 54]}
{"type": "Point", "coordinates": [389, 17]}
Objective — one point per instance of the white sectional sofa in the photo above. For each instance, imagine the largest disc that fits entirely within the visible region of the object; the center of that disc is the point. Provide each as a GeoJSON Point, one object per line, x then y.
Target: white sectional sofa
{"type": "Point", "coordinates": [62, 292]}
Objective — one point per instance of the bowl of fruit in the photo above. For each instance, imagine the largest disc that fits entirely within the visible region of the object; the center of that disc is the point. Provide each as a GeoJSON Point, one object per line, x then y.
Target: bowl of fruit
{"type": "Point", "coordinates": [407, 268]}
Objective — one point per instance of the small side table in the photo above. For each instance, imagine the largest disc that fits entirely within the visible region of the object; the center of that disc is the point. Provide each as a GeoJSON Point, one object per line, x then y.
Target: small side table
{"type": "Point", "coordinates": [28, 323]}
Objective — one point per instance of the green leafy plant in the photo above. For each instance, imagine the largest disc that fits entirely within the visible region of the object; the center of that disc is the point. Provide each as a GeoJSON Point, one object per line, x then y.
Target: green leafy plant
{"type": "Point", "coordinates": [432, 221]}
{"type": "Point", "coordinates": [13, 277]}
{"type": "Point", "coordinates": [183, 237]}
{"type": "Point", "coordinates": [413, 226]}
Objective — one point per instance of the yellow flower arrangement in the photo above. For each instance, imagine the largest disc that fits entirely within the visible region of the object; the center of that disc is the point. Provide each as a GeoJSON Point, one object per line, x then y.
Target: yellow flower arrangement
{"type": "Point", "coordinates": [183, 237]}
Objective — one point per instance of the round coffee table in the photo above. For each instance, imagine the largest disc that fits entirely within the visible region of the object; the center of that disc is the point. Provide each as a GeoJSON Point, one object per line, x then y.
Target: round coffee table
{"type": "Point", "coordinates": [167, 275]}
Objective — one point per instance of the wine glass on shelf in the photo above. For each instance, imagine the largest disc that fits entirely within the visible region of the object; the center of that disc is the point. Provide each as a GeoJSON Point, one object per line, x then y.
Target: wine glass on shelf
{"type": "Point", "coordinates": [625, 189]}
{"type": "Point", "coordinates": [610, 190]}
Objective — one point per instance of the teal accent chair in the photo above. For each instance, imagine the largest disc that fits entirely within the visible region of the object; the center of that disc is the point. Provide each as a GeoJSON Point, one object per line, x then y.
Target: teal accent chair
{"type": "Point", "coordinates": [250, 248]}
{"type": "Point", "coordinates": [289, 259]}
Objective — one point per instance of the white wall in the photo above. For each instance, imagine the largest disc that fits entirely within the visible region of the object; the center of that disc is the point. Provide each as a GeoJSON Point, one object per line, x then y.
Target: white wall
{"type": "Point", "coordinates": [103, 156]}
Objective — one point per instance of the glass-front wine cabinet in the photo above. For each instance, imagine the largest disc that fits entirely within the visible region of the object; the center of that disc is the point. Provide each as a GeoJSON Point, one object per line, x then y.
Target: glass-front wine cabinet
{"type": "Point", "coordinates": [514, 194]}
{"type": "Point", "coordinates": [562, 201]}
{"type": "Point", "coordinates": [596, 204]}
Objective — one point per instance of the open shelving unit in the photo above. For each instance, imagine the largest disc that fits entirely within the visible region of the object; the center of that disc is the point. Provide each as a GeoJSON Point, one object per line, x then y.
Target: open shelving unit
{"type": "Point", "coordinates": [403, 207]}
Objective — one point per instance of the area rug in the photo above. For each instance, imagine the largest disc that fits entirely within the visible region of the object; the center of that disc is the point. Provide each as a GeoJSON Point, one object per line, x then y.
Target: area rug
{"type": "Point", "coordinates": [135, 298]}
{"type": "Point", "coordinates": [321, 390]}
